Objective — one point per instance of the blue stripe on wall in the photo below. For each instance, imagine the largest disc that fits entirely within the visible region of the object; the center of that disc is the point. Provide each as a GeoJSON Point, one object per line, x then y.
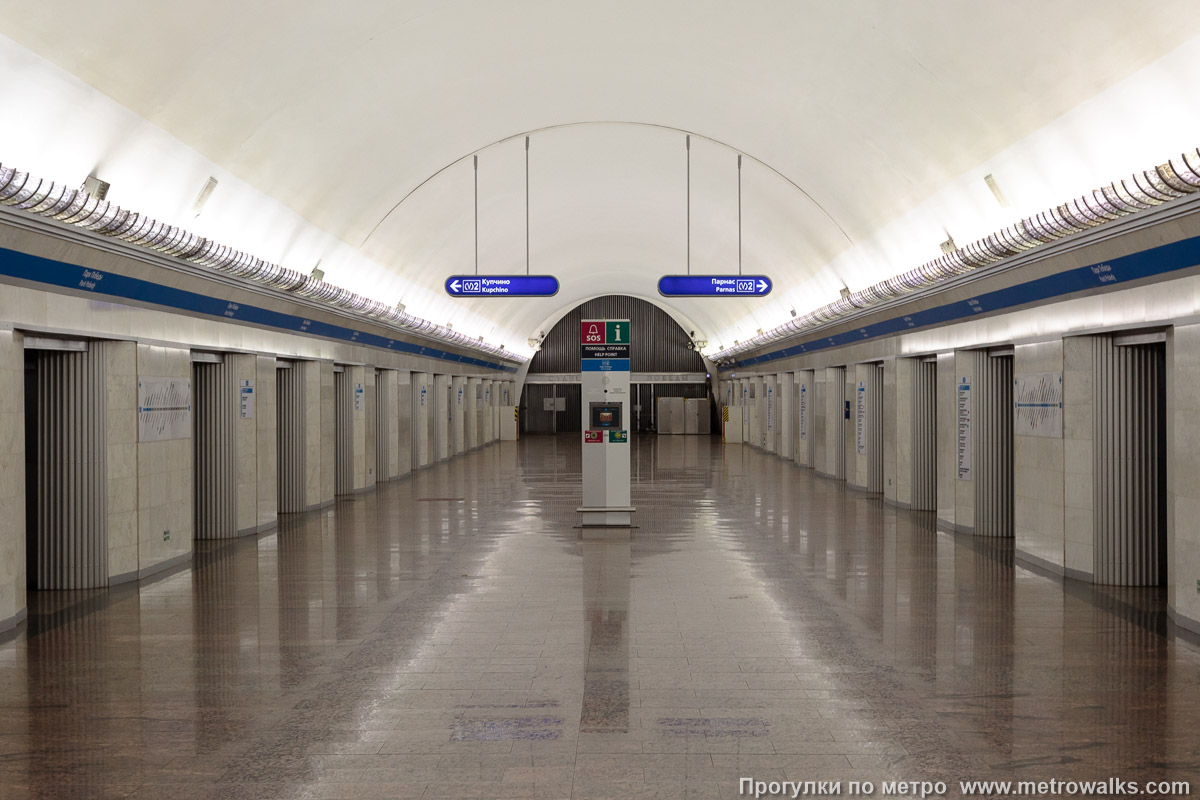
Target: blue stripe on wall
{"type": "Point", "coordinates": [71, 276]}
{"type": "Point", "coordinates": [1148, 263]}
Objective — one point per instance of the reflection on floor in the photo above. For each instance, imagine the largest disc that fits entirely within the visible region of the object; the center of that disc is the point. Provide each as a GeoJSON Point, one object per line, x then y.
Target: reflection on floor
{"type": "Point", "coordinates": [762, 623]}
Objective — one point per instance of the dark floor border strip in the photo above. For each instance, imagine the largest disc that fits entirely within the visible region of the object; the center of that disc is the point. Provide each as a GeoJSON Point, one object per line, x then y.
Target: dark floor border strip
{"type": "Point", "coordinates": [1149, 263]}
{"type": "Point", "coordinates": [161, 566]}
{"type": "Point", "coordinates": [91, 600]}
{"type": "Point", "coordinates": [946, 526]}
{"type": "Point", "coordinates": [124, 577]}
{"type": "Point", "coordinates": [1185, 625]}
{"type": "Point", "coordinates": [13, 621]}
{"type": "Point", "coordinates": [1078, 575]}
{"type": "Point", "coordinates": [46, 271]}
{"type": "Point", "coordinates": [1039, 563]}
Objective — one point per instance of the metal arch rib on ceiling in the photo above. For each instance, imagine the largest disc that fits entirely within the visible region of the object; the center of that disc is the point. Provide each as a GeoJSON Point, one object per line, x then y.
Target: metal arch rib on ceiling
{"type": "Point", "coordinates": [608, 214]}
{"type": "Point", "coordinates": [340, 110]}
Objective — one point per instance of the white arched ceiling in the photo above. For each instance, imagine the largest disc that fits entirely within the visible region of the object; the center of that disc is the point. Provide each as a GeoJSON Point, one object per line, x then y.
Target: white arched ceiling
{"type": "Point", "coordinates": [607, 215]}
{"type": "Point", "coordinates": [886, 114]}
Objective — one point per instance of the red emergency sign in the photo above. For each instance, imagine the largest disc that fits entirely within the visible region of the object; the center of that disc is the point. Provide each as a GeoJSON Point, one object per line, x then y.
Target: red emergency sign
{"type": "Point", "coordinates": [591, 332]}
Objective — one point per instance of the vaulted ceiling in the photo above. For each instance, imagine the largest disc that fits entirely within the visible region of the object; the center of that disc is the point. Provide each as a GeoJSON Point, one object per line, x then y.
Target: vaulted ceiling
{"type": "Point", "coordinates": [363, 116]}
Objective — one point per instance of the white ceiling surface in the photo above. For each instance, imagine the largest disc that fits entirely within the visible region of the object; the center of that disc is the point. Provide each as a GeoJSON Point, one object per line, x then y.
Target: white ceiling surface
{"type": "Point", "coordinates": [887, 114]}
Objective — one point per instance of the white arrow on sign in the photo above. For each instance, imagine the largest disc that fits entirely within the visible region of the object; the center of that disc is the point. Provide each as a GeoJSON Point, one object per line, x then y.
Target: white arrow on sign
{"type": "Point", "coordinates": [762, 286]}
{"type": "Point", "coordinates": [454, 285]}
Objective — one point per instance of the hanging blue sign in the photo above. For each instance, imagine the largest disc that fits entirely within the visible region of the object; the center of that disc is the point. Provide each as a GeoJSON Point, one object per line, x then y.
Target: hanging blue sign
{"type": "Point", "coordinates": [714, 286]}
{"type": "Point", "coordinates": [502, 286]}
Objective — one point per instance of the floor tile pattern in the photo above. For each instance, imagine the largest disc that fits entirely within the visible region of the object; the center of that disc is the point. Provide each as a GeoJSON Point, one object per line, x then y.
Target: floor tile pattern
{"type": "Point", "coordinates": [451, 635]}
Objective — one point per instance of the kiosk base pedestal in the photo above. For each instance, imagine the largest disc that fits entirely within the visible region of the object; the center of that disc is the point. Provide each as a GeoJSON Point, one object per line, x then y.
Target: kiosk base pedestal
{"type": "Point", "coordinates": [606, 517]}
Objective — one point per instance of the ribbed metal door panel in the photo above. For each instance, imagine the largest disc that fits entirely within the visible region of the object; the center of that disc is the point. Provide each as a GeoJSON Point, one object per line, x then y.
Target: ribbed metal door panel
{"type": "Point", "coordinates": [874, 432]}
{"type": "Point", "coordinates": [72, 492]}
{"type": "Point", "coordinates": [993, 451]}
{"type": "Point", "coordinates": [404, 411]}
{"type": "Point", "coordinates": [818, 407]}
{"type": "Point", "coordinates": [537, 418]}
{"type": "Point", "coordinates": [924, 436]}
{"type": "Point", "coordinates": [835, 387]}
{"type": "Point", "coordinates": [1130, 471]}
{"type": "Point", "coordinates": [214, 414]}
{"type": "Point", "coordinates": [383, 415]}
{"type": "Point", "coordinates": [290, 417]}
{"type": "Point", "coordinates": [343, 445]}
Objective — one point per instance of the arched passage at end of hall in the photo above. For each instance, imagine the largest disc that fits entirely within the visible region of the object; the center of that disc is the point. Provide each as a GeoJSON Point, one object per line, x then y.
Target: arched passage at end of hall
{"type": "Point", "coordinates": [663, 362]}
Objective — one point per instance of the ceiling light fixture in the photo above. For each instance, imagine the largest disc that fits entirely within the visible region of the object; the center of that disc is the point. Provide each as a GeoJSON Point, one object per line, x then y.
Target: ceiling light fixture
{"type": "Point", "coordinates": [44, 198]}
{"type": "Point", "coordinates": [96, 187]}
{"type": "Point", "coordinates": [1178, 177]}
{"type": "Point", "coordinates": [202, 198]}
{"type": "Point", "coordinates": [996, 191]}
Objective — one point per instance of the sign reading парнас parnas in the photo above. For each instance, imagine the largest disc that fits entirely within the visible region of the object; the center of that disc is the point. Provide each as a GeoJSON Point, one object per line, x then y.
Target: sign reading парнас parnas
{"type": "Point", "coordinates": [714, 286]}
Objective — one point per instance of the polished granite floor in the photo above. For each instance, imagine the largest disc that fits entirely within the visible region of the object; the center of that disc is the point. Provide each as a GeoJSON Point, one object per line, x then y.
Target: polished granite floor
{"type": "Point", "coordinates": [451, 635]}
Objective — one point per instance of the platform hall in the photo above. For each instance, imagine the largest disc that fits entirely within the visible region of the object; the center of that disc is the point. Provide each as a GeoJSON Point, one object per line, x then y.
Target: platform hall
{"type": "Point", "coordinates": [652, 401]}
